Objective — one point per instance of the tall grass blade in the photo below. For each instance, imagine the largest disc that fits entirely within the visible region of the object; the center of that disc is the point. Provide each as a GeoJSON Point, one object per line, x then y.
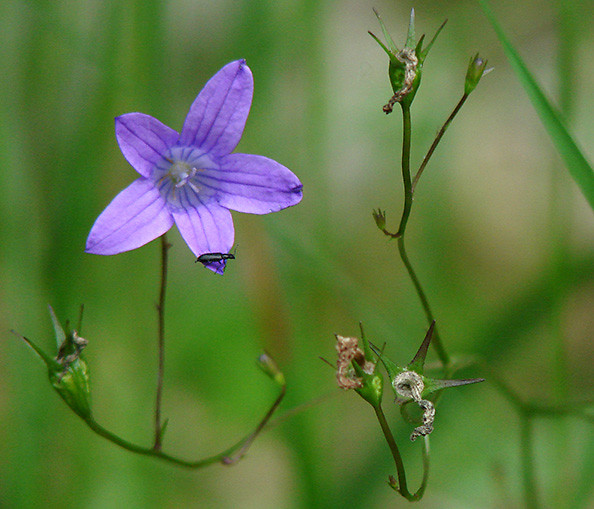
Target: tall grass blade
{"type": "Point", "coordinates": [579, 168]}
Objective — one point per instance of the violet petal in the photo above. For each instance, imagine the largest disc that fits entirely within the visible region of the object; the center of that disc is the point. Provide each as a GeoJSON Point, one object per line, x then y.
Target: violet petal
{"type": "Point", "coordinates": [137, 215]}
{"type": "Point", "coordinates": [253, 184]}
{"type": "Point", "coordinates": [143, 140]}
{"type": "Point", "coordinates": [217, 116]}
{"type": "Point", "coordinates": [206, 228]}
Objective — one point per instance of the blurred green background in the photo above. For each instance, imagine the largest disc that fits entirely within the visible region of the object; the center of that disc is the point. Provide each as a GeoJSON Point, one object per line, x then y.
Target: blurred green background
{"type": "Point", "coordinates": [500, 236]}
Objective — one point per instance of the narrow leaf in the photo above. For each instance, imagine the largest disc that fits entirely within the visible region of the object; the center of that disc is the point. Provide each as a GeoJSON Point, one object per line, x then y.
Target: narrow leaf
{"type": "Point", "coordinates": [576, 163]}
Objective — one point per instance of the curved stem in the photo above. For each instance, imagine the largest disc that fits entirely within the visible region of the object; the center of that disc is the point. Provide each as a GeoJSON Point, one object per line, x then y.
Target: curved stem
{"type": "Point", "coordinates": [401, 485]}
{"type": "Point", "coordinates": [224, 457]}
{"type": "Point", "coordinates": [402, 488]}
{"type": "Point", "coordinates": [151, 451]}
{"type": "Point", "coordinates": [161, 343]}
{"type": "Point", "coordinates": [247, 442]}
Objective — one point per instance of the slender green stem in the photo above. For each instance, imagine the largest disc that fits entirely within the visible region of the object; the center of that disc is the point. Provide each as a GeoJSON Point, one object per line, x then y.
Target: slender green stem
{"type": "Point", "coordinates": [408, 199]}
{"type": "Point", "coordinates": [151, 451]}
{"type": "Point", "coordinates": [528, 477]}
{"type": "Point", "coordinates": [247, 442]}
{"type": "Point", "coordinates": [408, 192]}
{"type": "Point", "coordinates": [436, 341]}
{"type": "Point", "coordinates": [146, 451]}
{"type": "Point", "coordinates": [161, 343]}
{"type": "Point", "coordinates": [401, 485]}
{"type": "Point", "coordinates": [436, 141]}
{"type": "Point", "coordinates": [225, 457]}
{"type": "Point", "coordinates": [426, 464]}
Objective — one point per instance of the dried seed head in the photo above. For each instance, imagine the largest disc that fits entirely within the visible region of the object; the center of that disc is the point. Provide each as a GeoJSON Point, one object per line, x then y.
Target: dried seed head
{"type": "Point", "coordinates": [410, 385]}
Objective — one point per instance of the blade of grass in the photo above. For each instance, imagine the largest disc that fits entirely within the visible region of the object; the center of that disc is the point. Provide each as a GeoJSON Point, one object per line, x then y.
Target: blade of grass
{"type": "Point", "coordinates": [579, 168]}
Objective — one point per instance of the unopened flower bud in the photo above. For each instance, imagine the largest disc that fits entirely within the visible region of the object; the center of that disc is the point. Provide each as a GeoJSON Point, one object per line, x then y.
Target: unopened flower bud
{"type": "Point", "coordinates": [67, 372]}
{"type": "Point", "coordinates": [476, 70]}
{"type": "Point", "coordinates": [380, 218]}
{"type": "Point", "coordinates": [267, 364]}
{"type": "Point", "coordinates": [72, 384]}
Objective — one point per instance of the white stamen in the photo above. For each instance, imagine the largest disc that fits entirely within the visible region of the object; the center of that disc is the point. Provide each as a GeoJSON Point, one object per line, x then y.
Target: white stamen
{"type": "Point", "coordinates": [184, 177]}
{"type": "Point", "coordinates": [194, 186]}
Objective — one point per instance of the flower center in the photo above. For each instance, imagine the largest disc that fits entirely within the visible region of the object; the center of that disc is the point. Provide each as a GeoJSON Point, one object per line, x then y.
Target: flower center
{"type": "Point", "coordinates": [181, 173]}
{"type": "Point", "coordinates": [179, 177]}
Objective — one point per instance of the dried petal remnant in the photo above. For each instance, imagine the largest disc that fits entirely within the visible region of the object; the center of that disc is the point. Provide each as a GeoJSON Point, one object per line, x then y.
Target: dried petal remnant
{"type": "Point", "coordinates": [348, 351]}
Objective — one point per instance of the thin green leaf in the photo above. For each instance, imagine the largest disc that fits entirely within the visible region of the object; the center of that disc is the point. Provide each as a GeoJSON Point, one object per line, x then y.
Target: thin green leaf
{"type": "Point", "coordinates": [576, 163]}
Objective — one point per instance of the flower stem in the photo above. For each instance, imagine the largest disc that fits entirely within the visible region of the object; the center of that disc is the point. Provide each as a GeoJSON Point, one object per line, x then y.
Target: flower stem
{"type": "Point", "coordinates": [401, 485]}
{"type": "Point", "coordinates": [161, 343]}
{"type": "Point", "coordinates": [247, 442]}
{"type": "Point", "coordinates": [528, 477]}
{"type": "Point", "coordinates": [408, 199]}
{"type": "Point", "coordinates": [408, 191]}
{"type": "Point", "coordinates": [223, 457]}
{"type": "Point", "coordinates": [436, 141]}
{"type": "Point", "coordinates": [436, 342]}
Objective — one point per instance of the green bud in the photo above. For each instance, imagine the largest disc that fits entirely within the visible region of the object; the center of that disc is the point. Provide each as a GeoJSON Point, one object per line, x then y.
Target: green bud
{"type": "Point", "coordinates": [267, 364]}
{"type": "Point", "coordinates": [476, 70]}
{"type": "Point", "coordinates": [67, 372]}
{"type": "Point", "coordinates": [72, 384]}
{"type": "Point", "coordinates": [372, 388]}
{"type": "Point", "coordinates": [379, 217]}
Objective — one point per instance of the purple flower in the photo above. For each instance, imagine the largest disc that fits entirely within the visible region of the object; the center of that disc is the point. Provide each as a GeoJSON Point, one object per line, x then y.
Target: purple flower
{"type": "Point", "coordinates": [192, 179]}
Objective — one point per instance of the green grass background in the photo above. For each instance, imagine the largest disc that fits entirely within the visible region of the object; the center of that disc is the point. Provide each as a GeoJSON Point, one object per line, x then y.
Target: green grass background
{"type": "Point", "coordinates": [501, 238]}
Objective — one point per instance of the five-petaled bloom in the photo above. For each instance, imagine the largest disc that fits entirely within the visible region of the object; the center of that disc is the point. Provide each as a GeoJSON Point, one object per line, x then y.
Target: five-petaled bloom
{"type": "Point", "coordinates": [192, 179]}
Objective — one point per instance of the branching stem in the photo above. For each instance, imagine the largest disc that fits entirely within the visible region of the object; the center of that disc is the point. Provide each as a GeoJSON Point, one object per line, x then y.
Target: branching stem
{"type": "Point", "coordinates": [436, 141]}
{"type": "Point", "coordinates": [224, 457]}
